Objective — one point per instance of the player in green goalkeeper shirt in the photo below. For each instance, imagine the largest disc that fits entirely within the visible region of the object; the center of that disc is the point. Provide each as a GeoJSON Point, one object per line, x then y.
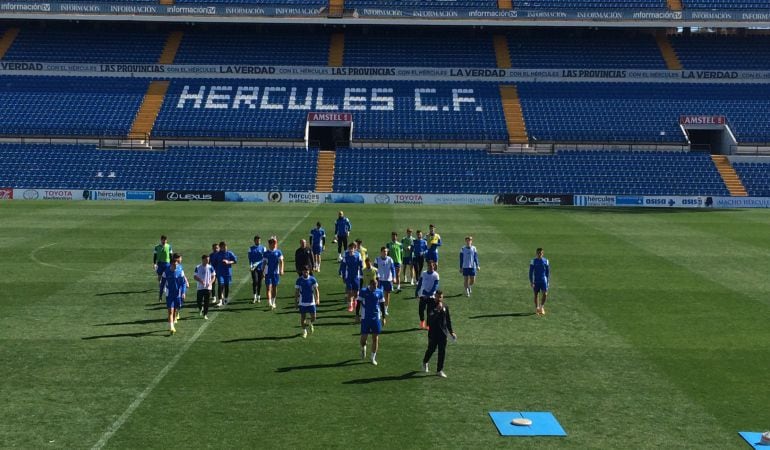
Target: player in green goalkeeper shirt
{"type": "Point", "coordinates": [396, 253]}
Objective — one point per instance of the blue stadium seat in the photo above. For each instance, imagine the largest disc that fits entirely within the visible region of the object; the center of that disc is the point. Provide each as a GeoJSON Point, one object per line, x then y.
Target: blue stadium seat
{"type": "Point", "coordinates": [479, 172]}
{"type": "Point", "coordinates": [64, 166]}
{"type": "Point", "coordinates": [69, 106]}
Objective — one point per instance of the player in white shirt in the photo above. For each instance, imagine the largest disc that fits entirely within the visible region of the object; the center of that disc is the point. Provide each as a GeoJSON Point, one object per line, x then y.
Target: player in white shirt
{"type": "Point", "coordinates": [386, 273]}
{"type": "Point", "coordinates": [469, 264]}
{"type": "Point", "coordinates": [205, 276]}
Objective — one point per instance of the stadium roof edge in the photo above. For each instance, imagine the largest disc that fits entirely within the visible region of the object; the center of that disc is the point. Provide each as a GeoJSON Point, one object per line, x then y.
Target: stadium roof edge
{"type": "Point", "coordinates": [383, 21]}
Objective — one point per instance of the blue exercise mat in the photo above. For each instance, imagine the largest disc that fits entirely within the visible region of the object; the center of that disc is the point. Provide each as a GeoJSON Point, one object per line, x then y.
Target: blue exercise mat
{"type": "Point", "coordinates": [543, 424]}
{"type": "Point", "coordinates": [753, 440]}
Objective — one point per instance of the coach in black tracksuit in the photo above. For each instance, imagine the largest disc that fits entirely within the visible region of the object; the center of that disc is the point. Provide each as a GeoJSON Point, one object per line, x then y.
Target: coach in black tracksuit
{"type": "Point", "coordinates": [440, 328]}
{"type": "Point", "coordinates": [303, 257]}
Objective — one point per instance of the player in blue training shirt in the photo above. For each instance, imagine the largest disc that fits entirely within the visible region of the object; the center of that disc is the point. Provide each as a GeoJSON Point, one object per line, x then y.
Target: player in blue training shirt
{"type": "Point", "coordinates": [176, 288]}
{"type": "Point", "coordinates": [341, 232]}
{"type": "Point", "coordinates": [317, 244]}
{"type": "Point", "coordinates": [469, 264]}
{"type": "Point", "coordinates": [419, 249]}
{"type": "Point", "coordinates": [224, 268]}
{"type": "Point", "coordinates": [539, 272]}
{"type": "Point", "coordinates": [256, 256]}
{"type": "Point", "coordinates": [273, 266]}
{"type": "Point", "coordinates": [373, 303]}
{"type": "Point", "coordinates": [351, 271]}
{"type": "Point", "coordinates": [307, 298]}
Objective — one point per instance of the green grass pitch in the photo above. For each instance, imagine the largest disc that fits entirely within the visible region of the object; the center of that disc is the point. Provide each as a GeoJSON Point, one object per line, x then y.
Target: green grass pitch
{"type": "Point", "coordinates": [656, 336]}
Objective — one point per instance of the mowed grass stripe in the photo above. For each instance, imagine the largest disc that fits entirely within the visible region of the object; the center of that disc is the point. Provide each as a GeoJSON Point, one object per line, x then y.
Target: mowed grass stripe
{"type": "Point", "coordinates": [706, 331]}
{"type": "Point", "coordinates": [115, 427]}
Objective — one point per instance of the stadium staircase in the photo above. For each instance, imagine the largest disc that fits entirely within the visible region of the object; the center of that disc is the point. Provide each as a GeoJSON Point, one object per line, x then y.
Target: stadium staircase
{"type": "Point", "coordinates": [504, 4]}
{"type": "Point", "coordinates": [675, 5]}
{"type": "Point", "coordinates": [7, 40]}
{"type": "Point", "coordinates": [668, 53]}
{"type": "Point", "coordinates": [156, 92]}
{"type": "Point", "coordinates": [148, 112]}
{"type": "Point", "coordinates": [514, 117]}
{"type": "Point", "coordinates": [324, 181]}
{"type": "Point", "coordinates": [170, 49]}
{"type": "Point", "coordinates": [502, 52]}
{"type": "Point", "coordinates": [336, 8]}
{"type": "Point", "coordinates": [729, 176]}
{"type": "Point", "coordinates": [336, 49]}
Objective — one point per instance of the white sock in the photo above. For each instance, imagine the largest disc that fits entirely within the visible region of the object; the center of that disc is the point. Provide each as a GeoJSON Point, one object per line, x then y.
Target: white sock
{"type": "Point", "coordinates": [374, 356]}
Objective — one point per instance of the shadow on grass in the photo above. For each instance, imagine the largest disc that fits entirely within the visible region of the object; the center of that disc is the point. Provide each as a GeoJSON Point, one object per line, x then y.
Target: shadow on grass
{"type": "Point", "coordinates": [405, 330]}
{"type": "Point", "coordinates": [347, 362]}
{"type": "Point", "coordinates": [263, 338]}
{"type": "Point", "coordinates": [135, 322]}
{"type": "Point", "coordinates": [122, 335]}
{"type": "Point", "coordinates": [146, 291]}
{"type": "Point", "coordinates": [334, 324]}
{"type": "Point", "coordinates": [406, 376]}
{"type": "Point", "coordinates": [491, 316]}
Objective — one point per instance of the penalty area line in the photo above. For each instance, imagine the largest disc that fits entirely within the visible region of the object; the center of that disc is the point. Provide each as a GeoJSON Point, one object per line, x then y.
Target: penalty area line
{"type": "Point", "coordinates": [121, 420]}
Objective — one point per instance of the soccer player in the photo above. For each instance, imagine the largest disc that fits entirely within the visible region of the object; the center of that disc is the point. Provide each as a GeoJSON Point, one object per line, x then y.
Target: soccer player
{"type": "Point", "coordinates": [213, 257]}
{"type": "Point", "coordinates": [419, 249]}
{"type": "Point", "coordinates": [369, 273]}
{"type": "Point", "coordinates": [176, 289]}
{"type": "Point", "coordinates": [469, 264]}
{"type": "Point", "coordinates": [161, 260]}
{"type": "Point", "coordinates": [440, 328]}
{"type": "Point", "coordinates": [434, 242]}
{"type": "Point", "coordinates": [361, 249]}
{"type": "Point", "coordinates": [317, 244]}
{"type": "Point", "coordinates": [539, 271]}
{"type": "Point", "coordinates": [372, 301]}
{"type": "Point", "coordinates": [204, 275]}
{"type": "Point", "coordinates": [224, 268]}
{"type": "Point", "coordinates": [273, 266]}
{"type": "Point", "coordinates": [303, 256]}
{"type": "Point", "coordinates": [350, 272]}
{"type": "Point", "coordinates": [386, 273]}
{"type": "Point", "coordinates": [307, 298]}
{"type": "Point", "coordinates": [426, 290]}
{"type": "Point", "coordinates": [407, 243]}
{"type": "Point", "coordinates": [341, 231]}
{"type": "Point", "coordinates": [396, 252]}
{"type": "Point", "coordinates": [256, 256]}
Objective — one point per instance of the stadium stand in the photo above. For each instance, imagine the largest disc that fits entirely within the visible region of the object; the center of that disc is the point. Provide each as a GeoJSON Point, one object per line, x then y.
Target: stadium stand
{"type": "Point", "coordinates": [634, 112]}
{"type": "Point", "coordinates": [67, 44]}
{"type": "Point", "coordinates": [575, 49]}
{"type": "Point", "coordinates": [275, 47]}
{"type": "Point", "coordinates": [755, 177]}
{"type": "Point", "coordinates": [590, 4]}
{"type": "Point", "coordinates": [726, 4]}
{"type": "Point", "coordinates": [479, 172]}
{"type": "Point", "coordinates": [280, 3]}
{"type": "Point", "coordinates": [86, 167]}
{"type": "Point", "coordinates": [68, 106]}
{"type": "Point", "coordinates": [437, 4]}
{"type": "Point", "coordinates": [704, 52]}
{"type": "Point", "coordinates": [406, 48]}
{"type": "Point", "coordinates": [471, 113]}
